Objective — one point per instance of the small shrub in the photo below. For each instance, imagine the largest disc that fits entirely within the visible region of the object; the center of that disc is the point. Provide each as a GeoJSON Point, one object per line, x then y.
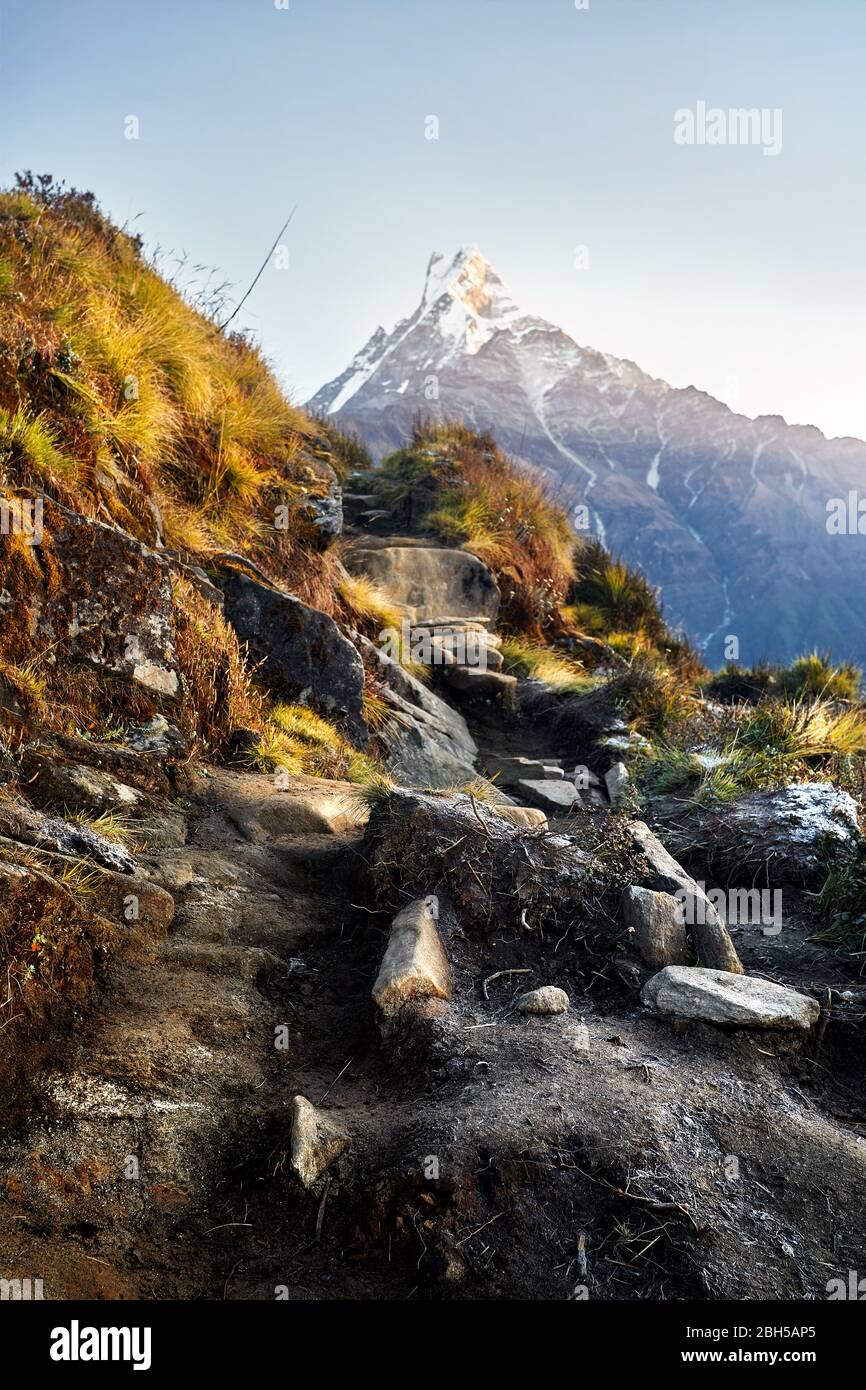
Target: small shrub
{"type": "Point", "coordinates": [815, 675]}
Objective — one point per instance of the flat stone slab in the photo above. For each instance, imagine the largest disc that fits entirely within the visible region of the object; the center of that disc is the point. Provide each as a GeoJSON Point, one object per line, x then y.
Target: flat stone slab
{"type": "Point", "coordinates": [548, 794]}
{"type": "Point", "coordinates": [733, 1001]}
{"type": "Point", "coordinates": [511, 770]}
{"type": "Point", "coordinates": [317, 1140]}
{"type": "Point", "coordinates": [415, 966]}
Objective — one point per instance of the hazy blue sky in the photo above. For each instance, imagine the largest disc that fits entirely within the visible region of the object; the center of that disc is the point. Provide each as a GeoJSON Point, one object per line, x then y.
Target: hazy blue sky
{"type": "Point", "coordinates": [739, 272]}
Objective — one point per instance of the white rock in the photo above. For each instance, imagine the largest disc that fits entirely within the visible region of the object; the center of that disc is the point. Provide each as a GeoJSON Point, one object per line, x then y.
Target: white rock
{"type": "Point", "coordinates": [548, 999]}
{"type": "Point", "coordinates": [737, 1001]}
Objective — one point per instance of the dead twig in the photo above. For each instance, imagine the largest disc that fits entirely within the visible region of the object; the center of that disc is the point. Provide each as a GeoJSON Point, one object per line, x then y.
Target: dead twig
{"type": "Point", "coordinates": [497, 975]}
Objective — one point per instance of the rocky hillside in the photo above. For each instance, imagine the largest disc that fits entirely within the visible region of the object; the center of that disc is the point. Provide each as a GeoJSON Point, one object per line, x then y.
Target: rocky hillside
{"type": "Point", "coordinates": [380, 870]}
{"type": "Point", "coordinates": [728, 515]}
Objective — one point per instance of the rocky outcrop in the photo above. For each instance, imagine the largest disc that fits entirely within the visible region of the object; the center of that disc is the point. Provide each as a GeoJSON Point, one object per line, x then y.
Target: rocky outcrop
{"type": "Point", "coordinates": [22, 823]}
{"type": "Point", "coordinates": [303, 654]}
{"type": "Point", "coordinates": [766, 837]}
{"type": "Point", "coordinates": [734, 1001]}
{"type": "Point", "coordinates": [431, 582]}
{"type": "Point", "coordinates": [319, 508]}
{"type": "Point", "coordinates": [88, 592]}
{"type": "Point", "coordinates": [427, 742]}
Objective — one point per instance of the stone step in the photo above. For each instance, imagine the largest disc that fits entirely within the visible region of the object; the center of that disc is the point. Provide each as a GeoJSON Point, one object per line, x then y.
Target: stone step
{"type": "Point", "coordinates": [548, 794]}
{"type": "Point", "coordinates": [512, 770]}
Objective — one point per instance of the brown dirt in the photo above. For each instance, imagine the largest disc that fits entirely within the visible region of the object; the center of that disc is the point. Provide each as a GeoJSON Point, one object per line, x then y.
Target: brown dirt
{"type": "Point", "coordinates": [676, 1162]}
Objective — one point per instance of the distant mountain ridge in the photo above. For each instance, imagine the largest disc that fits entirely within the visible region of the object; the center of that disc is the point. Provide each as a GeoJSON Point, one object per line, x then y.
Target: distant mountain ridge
{"type": "Point", "coordinates": [726, 514]}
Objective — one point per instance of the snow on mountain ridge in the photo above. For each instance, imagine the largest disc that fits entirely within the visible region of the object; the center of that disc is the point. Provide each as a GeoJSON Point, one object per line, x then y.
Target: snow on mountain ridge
{"type": "Point", "coordinates": [726, 513]}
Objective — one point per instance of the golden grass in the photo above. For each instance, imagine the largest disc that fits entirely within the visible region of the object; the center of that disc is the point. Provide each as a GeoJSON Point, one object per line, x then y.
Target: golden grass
{"type": "Point", "coordinates": [543, 664]}
{"type": "Point", "coordinates": [297, 740]}
{"type": "Point", "coordinates": [125, 380]}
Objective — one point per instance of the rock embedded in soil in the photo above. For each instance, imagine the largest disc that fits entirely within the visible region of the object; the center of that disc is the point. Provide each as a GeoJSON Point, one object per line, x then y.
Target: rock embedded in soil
{"type": "Point", "coordinates": [72, 788]}
{"type": "Point", "coordinates": [712, 942]}
{"type": "Point", "coordinates": [657, 921]}
{"type": "Point", "coordinates": [547, 999]}
{"type": "Point", "coordinates": [735, 1001]}
{"type": "Point", "coordinates": [317, 1141]}
{"type": "Point", "coordinates": [158, 737]}
{"type": "Point", "coordinates": [616, 779]}
{"type": "Point", "coordinates": [415, 966]}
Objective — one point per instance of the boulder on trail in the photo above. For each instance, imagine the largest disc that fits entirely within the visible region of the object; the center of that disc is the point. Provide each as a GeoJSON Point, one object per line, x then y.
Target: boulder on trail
{"type": "Point", "coordinates": [712, 942]}
{"type": "Point", "coordinates": [430, 581]}
{"type": "Point", "coordinates": [317, 1141]}
{"type": "Point", "coordinates": [303, 654]}
{"type": "Point", "coordinates": [91, 593]}
{"type": "Point", "coordinates": [658, 924]}
{"type": "Point", "coordinates": [548, 999]}
{"type": "Point", "coordinates": [734, 1001]}
{"type": "Point", "coordinates": [415, 966]}
{"type": "Point", "coordinates": [769, 837]}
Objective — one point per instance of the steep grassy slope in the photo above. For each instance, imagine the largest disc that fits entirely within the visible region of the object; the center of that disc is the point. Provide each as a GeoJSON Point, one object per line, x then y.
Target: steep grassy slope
{"type": "Point", "coordinates": [124, 402]}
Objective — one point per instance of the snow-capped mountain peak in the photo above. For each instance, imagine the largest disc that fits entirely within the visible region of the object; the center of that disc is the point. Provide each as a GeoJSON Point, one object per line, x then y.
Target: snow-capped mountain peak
{"type": "Point", "coordinates": [726, 513]}
{"type": "Point", "coordinates": [463, 305]}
